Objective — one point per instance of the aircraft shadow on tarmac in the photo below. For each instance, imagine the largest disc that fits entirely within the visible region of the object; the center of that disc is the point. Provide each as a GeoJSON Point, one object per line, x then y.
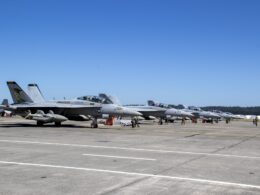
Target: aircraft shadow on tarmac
{"type": "Point", "coordinates": [22, 125]}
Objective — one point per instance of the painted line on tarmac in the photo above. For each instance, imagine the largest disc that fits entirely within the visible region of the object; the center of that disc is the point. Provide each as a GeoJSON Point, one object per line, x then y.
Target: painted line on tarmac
{"type": "Point", "coordinates": [130, 149]}
{"type": "Point", "coordinates": [120, 157]}
{"type": "Point", "coordinates": [221, 183]}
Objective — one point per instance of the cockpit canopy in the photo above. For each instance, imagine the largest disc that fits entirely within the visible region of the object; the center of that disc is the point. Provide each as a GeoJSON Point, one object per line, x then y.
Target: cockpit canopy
{"type": "Point", "coordinates": [95, 99]}
{"type": "Point", "coordinates": [194, 108]}
{"type": "Point", "coordinates": [218, 111]}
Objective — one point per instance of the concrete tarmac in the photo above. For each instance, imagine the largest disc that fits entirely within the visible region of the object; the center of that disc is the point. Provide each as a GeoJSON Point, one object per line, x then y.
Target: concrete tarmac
{"type": "Point", "coordinates": [169, 159]}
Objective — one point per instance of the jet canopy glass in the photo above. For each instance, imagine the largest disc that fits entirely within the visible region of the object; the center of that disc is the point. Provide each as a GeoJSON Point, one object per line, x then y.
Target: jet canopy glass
{"type": "Point", "coordinates": [194, 108]}
{"type": "Point", "coordinates": [95, 99]}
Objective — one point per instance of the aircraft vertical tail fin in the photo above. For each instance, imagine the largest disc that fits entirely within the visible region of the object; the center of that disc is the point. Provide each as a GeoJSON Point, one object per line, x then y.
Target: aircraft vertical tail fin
{"type": "Point", "coordinates": [5, 102]}
{"type": "Point", "coordinates": [151, 103]}
{"type": "Point", "coordinates": [106, 98]}
{"type": "Point", "coordinates": [35, 93]}
{"type": "Point", "coordinates": [109, 99]}
{"type": "Point", "coordinates": [18, 94]}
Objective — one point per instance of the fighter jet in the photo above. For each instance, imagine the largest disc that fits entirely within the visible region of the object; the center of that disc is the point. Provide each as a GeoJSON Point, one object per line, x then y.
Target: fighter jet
{"type": "Point", "coordinates": [227, 116]}
{"type": "Point", "coordinates": [107, 110]}
{"type": "Point", "coordinates": [151, 111]}
{"type": "Point", "coordinates": [171, 112]}
{"type": "Point", "coordinates": [43, 112]}
{"type": "Point", "coordinates": [191, 112]}
{"type": "Point", "coordinates": [204, 115]}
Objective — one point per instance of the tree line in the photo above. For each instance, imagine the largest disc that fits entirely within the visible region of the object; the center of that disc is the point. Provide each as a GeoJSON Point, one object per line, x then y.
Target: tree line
{"type": "Point", "coordinates": [235, 110]}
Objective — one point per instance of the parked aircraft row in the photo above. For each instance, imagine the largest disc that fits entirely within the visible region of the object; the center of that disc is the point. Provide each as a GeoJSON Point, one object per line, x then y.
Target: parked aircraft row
{"type": "Point", "coordinates": [33, 106]}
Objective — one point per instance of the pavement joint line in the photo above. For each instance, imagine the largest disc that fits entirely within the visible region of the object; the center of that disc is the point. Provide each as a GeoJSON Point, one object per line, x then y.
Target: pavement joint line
{"type": "Point", "coordinates": [214, 182]}
{"type": "Point", "coordinates": [120, 157]}
{"type": "Point", "coordinates": [131, 149]}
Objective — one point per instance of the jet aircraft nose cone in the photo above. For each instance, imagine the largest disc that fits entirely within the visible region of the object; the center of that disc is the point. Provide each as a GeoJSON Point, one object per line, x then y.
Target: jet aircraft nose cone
{"type": "Point", "coordinates": [189, 114]}
{"type": "Point", "coordinates": [133, 113]}
{"type": "Point", "coordinates": [63, 118]}
{"type": "Point", "coordinates": [215, 115]}
{"type": "Point", "coordinates": [138, 114]}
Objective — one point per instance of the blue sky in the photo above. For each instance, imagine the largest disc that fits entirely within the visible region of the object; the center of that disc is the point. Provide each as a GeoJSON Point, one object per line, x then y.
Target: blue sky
{"type": "Point", "coordinates": [195, 52]}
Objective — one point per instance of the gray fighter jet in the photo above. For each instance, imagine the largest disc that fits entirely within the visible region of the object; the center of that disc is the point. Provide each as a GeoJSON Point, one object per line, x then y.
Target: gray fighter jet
{"type": "Point", "coordinates": [43, 112]}
{"type": "Point", "coordinates": [191, 112]}
{"type": "Point", "coordinates": [227, 116]}
{"type": "Point", "coordinates": [204, 115]}
{"type": "Point", "coordinates": [151, 110]}
{"type": "Point", "coordinates": [171, 112]}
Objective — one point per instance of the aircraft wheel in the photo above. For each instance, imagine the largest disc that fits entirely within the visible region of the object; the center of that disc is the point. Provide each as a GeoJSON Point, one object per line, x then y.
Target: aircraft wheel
{"type": "Point", "coordinates": [94, 126]}
{"type": "Point", "coordinates": [39, 123]}
{"type": "Point", "coordinates": [160, 122]}
{"type": "Point", "coordinates": [133, 124]}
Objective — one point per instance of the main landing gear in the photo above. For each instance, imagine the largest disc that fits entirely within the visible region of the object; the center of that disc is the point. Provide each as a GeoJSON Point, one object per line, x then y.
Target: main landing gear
{"type": "Point", "coordinates": [40, 123]}
{"type": "Point", "coordinates": [160, 121]}
{"type": "Point", "coordinates": [94, 123]}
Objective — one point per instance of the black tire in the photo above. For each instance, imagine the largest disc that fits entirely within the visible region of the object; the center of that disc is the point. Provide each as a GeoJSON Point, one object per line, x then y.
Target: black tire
{"type": "Point", "coordinates": [40, 123]}
{"type": "Point", "coordinates": [57, 124]}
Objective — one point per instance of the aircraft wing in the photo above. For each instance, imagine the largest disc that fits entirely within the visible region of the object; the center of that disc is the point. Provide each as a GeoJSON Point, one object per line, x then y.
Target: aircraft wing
{"type": "Point", "coordinates": [61, 109]}
{"type": "Point", "coordinates": [61, 106]}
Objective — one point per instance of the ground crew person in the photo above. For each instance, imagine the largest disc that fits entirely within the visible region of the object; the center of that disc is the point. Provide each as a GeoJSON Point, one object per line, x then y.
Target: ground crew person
{"type": "Point", "coordinates": [136, 122]}
{"type": "Point", "coordinates": [133, 123]}
{"type": "Point", "coordinates": [256, 121]}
